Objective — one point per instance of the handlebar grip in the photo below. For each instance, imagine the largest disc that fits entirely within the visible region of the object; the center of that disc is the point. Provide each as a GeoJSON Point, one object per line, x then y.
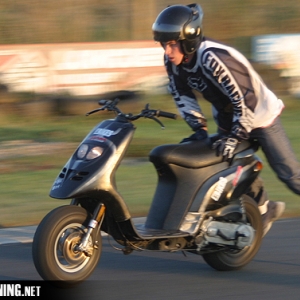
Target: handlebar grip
{"type": "Point", "coordinates": [165, 114]}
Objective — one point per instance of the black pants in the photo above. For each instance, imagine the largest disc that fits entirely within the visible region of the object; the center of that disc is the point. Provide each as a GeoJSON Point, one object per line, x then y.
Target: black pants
{"type": "Point", "coordinates": [279, 153]}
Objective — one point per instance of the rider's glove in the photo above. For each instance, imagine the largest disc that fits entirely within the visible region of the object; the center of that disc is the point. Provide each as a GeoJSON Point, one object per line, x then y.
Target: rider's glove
{"type": "Point", "coordinates": [225, 147]}
{"type": "Point", "coordinates": [239, 131]}
{"type": "Point", "coordinates": [199, 135]}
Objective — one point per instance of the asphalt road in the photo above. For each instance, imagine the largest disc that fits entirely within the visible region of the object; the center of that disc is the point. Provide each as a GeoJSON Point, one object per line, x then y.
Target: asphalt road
{"type": "Point", "coordinates": [273, 274]}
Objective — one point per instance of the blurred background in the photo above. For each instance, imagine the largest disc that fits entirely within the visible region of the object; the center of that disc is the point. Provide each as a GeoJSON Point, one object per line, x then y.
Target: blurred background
{"type": "Point", "coordinates": [57, 58]}
{"type": "Point", "coordinates": [35, 21]}
{"type": "Point", "coordinates": [52, 46]}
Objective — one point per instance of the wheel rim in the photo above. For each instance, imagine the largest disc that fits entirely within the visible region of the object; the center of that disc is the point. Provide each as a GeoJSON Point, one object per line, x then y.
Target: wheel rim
{"type": "Point", "coordinates": [67, 257]}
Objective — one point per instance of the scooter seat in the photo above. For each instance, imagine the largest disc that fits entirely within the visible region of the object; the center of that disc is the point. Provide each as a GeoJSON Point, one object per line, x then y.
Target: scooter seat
{"type": "Point", "coordinates": [194, 154]}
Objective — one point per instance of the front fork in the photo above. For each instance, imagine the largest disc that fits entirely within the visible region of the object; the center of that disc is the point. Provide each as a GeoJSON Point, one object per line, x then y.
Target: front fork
{"type": "Point", "coordinates": [96, 220]}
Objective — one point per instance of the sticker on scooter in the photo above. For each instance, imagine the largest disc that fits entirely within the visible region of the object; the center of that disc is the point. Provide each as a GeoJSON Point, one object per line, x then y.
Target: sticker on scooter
{"type": "Point", "coordinates": [57, 184]}
{"type": "Point", "coordinates": [219, 188]}
{"type": "Point", "coordinates": [238, 175]}
{"type": "Point", "coordinates": [98, 139]}
{"type": "Point", "coordinates": [106, 132]}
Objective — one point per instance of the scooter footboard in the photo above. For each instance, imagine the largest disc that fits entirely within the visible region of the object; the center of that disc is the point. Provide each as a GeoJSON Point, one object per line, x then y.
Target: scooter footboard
{"type": "Point", "coordinates": [138, 232]}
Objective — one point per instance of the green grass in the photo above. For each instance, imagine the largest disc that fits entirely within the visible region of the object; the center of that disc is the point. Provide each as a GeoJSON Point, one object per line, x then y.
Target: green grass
{"type": "Point", "coordinates": [26, 181]}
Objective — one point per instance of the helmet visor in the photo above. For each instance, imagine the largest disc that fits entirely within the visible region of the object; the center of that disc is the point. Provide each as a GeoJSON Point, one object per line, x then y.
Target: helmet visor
{"type": "Point", "coordinates": [166, 32]}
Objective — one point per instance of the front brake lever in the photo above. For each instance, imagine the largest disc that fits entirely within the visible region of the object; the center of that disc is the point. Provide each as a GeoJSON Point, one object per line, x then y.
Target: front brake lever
{"type": "Point", "coordinates": [158, 121]}
{"type": "Point", "coordinates": [93, 111]}
{"type": "Point", "coordinates": [150, 114]}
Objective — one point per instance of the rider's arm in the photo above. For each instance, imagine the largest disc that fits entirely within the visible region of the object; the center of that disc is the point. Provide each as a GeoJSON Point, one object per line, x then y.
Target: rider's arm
{"type": "Point", "coordinates": [186, 101]}
{"type": "Point", "coordinates": [230, 73]}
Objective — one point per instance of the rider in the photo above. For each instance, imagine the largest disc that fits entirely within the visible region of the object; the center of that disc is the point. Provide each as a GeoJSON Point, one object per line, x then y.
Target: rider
{"type": "Point", "coordinates": [243, 107]}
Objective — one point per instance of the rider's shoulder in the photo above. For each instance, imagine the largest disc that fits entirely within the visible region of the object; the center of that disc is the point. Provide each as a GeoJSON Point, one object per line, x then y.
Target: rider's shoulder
{"type": "Point", "coordinates": [210, 48]}
{"type": "Point", "coordinates": [211, 45]}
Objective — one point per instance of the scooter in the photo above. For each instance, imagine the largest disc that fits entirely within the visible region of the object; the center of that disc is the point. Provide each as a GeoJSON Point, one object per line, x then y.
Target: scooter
{"type": "Point", "coordinates": [200, 204]}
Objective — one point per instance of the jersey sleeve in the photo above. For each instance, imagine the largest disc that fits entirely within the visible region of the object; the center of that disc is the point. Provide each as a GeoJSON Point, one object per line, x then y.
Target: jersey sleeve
{"type": "Point", "coordinates": [185, 99]}
{"type": "Point", "coordinates": [232, 76]}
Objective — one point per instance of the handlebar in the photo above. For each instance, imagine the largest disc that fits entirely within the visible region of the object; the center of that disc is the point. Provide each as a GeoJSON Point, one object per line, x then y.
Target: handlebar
{"type": "Point", "coordinates": [111, 105]}
{"type": "Point", "coordinates": [166, 114]}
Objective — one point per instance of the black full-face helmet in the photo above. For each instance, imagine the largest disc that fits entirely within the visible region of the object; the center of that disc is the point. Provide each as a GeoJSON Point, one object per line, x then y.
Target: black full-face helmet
{"type": "Point", "coordinates": [180, 23]}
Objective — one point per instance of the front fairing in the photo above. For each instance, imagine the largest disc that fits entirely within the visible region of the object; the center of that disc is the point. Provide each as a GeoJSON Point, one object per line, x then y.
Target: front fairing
{"type": "Point", "coordinates": [81, 177]}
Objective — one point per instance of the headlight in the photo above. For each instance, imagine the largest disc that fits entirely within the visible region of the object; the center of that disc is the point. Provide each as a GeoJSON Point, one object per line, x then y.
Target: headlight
{"type": "Point", "coordinates": [84, 152]}
{"type": "Point", "coordinates": [94, 153]}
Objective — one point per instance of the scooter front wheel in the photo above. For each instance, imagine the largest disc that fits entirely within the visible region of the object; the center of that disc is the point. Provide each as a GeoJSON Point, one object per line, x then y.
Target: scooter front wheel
{"type": "Point", "coordinates": [55, 246]}
{"type": "Point", "coordinates": [236, 259]}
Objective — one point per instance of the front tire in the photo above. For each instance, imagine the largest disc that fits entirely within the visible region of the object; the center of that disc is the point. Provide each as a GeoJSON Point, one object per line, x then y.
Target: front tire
{"type": "Point", "coordinates": [233, 260]}
{"type": "Point", "coordinates": [54, 251]}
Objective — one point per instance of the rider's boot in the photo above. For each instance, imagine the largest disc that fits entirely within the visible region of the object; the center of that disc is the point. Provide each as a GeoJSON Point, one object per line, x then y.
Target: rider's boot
{"type": "Point", "coordinates": [271, 211]}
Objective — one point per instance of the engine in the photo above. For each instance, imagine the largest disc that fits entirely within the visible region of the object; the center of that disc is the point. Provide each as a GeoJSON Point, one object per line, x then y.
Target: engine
{"type": "Point", "coordinates": [223, 233]}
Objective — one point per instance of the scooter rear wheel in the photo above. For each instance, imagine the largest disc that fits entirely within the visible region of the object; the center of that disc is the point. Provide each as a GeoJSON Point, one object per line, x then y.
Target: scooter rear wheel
{"type": "Point", "coordinates": [233, 260]}
{"type": "Point", "coordinates": [54, 249]}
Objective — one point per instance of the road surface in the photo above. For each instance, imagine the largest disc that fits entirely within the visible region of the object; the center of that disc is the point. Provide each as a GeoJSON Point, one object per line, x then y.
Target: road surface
{"type": "Point", "coordinates": [273, 274]}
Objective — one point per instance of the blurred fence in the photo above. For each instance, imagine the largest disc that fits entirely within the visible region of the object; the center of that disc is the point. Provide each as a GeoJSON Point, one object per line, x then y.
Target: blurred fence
{"type": "Point", "coordinates": [82, 68]}
{"type": "Point", "coordinates": [280, 51]}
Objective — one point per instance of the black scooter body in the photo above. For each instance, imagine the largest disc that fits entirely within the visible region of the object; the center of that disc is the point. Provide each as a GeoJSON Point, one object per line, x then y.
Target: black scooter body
{"type": "Point", "coordinates": [200, 204]}
{"type": "Point", "coordinates": [186, 173]}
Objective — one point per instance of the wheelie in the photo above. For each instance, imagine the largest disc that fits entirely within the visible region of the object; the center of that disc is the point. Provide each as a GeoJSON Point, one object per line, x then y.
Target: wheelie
{"type": "Point", "coordinates": [199, 206]}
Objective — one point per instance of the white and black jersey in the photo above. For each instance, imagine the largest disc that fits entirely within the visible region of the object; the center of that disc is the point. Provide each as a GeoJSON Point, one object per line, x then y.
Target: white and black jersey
{"type": "Point", "coordinates": [241, 101]}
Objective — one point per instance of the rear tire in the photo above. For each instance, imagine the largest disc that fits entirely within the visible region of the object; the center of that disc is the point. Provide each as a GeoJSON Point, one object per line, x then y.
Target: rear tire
{"type": "Point", "coordinates": [233, 260]}
{"type": "Point", "coordinates": [54, 246]}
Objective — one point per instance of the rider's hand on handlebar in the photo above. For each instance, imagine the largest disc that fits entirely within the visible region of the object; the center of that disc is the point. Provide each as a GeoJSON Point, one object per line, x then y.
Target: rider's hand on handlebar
{"type": "Point", "coordinates": [200, 134]}
{"type": "Point", "coordinates": [225, 147]}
